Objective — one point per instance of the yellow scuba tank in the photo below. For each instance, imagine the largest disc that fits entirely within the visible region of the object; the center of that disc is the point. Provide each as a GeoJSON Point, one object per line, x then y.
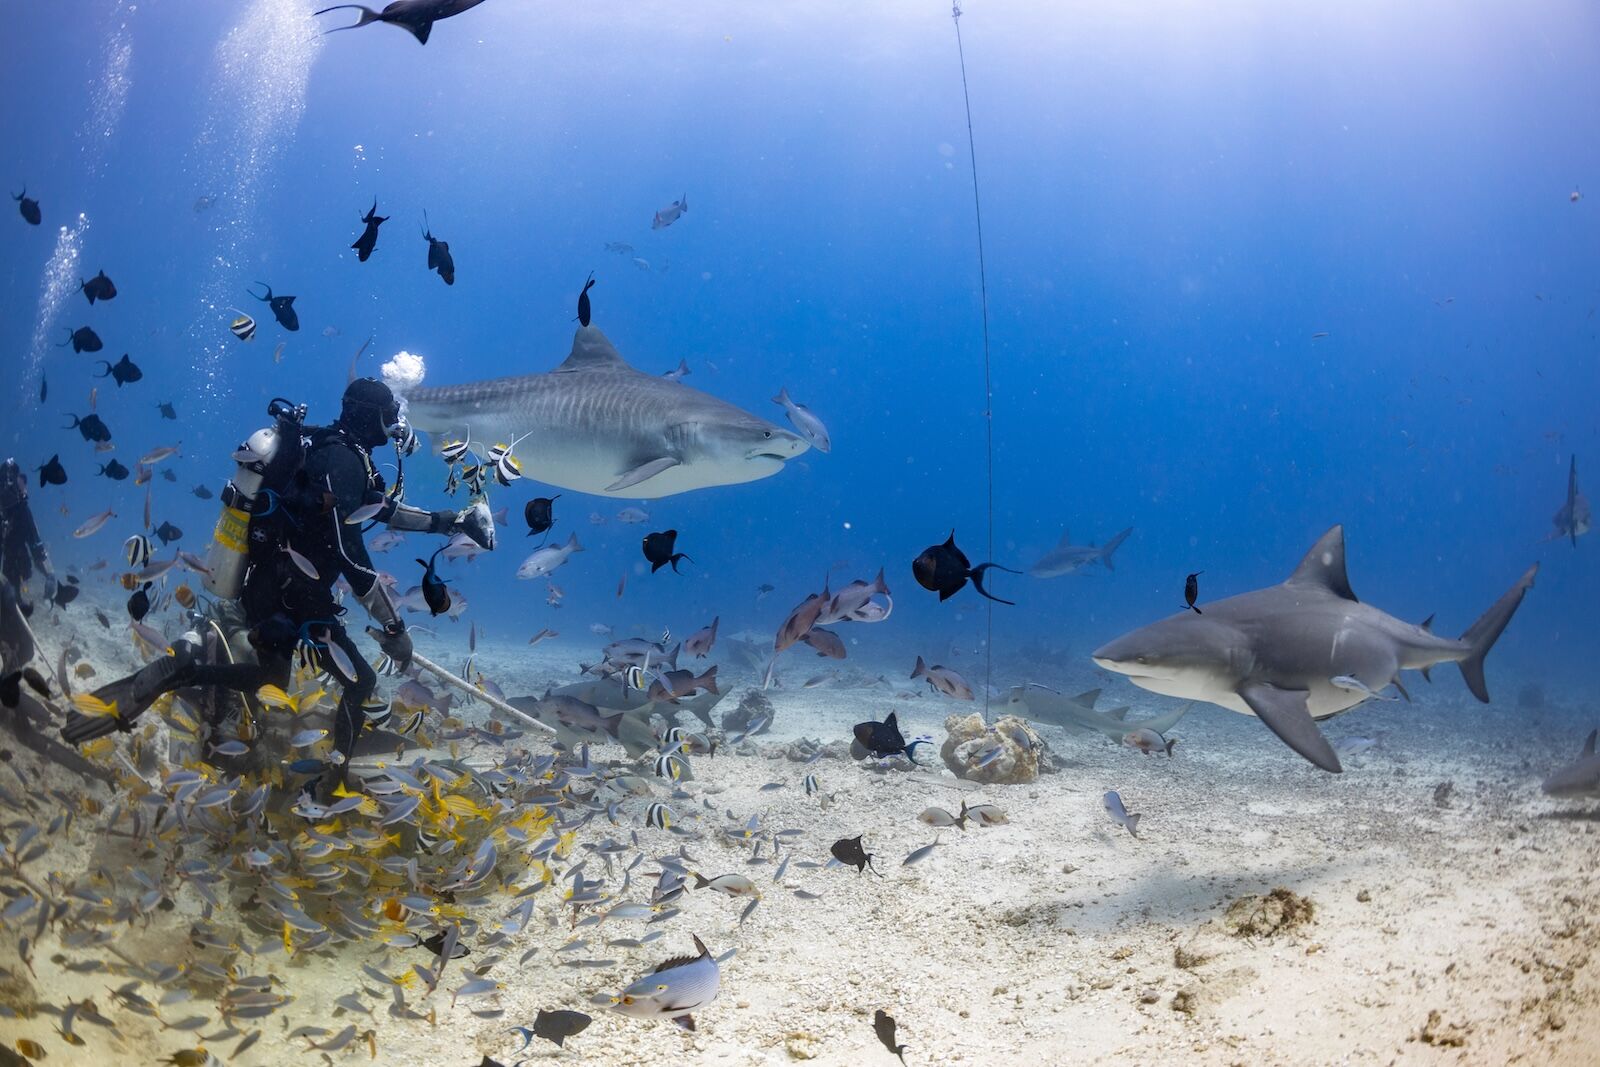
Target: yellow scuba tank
{"type": "Point", "coordinates": [267, 451]}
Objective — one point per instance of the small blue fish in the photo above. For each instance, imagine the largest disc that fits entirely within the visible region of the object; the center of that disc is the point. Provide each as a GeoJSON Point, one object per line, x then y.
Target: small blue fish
{"type": "Point", "coordinates": [1119, 814]}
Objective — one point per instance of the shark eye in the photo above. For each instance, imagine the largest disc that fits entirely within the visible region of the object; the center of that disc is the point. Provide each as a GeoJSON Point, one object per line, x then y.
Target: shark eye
{"type": "Point", "coordinates": [767, 434]}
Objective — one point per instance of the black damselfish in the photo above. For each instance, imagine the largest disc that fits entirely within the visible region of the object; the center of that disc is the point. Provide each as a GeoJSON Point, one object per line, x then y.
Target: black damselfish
{"type": "Point", "coordinates": [369, 236]}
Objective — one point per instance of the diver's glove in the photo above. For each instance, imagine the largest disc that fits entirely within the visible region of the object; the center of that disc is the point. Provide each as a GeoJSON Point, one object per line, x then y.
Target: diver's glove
{"type": "Point", "coordinates": [395, 643]}
{"type": "Point", "coordinates": [476, 522]}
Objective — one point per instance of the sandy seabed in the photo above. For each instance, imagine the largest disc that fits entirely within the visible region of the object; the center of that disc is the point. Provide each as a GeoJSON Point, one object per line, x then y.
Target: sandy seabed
{"type": "Point", "coordinates": [1454, 907]}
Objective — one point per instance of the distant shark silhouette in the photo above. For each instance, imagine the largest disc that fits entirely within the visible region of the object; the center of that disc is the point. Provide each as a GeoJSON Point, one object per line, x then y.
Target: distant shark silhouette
{"type": "Point", "coordinates": [1580, 778]}
{"type": "Point", "coordinates": [1036, 703]}
{"type": "Point", "coordinates": [597, 425]}
{"type": "Point", "coordinates": [1573, 519]}
{"type": "Point", "coordinates": [1068, 558]}
{"type": "Point", "coordinates": [1300, 651]}
{"type": "Point", "coordinates": [414, 16]}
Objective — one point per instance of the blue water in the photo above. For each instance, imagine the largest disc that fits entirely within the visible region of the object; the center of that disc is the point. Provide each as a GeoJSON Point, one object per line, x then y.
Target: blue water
{"type": "Point", "coordinates": [1176, 199]}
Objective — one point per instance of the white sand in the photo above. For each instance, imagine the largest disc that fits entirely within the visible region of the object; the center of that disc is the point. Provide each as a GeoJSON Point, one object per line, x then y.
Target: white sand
{"type": "Point", "coordinates": [1049, 940]}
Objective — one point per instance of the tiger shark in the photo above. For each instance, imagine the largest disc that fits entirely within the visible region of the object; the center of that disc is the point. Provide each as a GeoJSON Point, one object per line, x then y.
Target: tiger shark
{"type": "Point", "coordinates": [1300, 651]}
{"type": "Point", "coordinates": [597, 425]}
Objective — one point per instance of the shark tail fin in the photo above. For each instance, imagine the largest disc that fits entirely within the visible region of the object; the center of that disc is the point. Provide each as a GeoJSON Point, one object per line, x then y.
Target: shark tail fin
{"type": "Point", "coordinates": [1133, 824]}
{"type": "Point", "coordinates": [1482, 634]}
{"type": "Point", "coordinates": [1111, 546]}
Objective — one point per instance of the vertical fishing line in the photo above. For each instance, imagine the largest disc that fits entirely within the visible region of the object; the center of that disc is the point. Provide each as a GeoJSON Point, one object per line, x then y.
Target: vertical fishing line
{"type": "Point", "coordinates": [988, 386]}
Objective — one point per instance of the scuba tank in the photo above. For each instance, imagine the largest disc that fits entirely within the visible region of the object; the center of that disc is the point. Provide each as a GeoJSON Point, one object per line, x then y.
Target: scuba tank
{"type": "Point", "coordinates": [266, 461]}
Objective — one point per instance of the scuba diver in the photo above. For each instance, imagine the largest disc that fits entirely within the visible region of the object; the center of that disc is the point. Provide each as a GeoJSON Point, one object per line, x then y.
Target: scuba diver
{"type": "Point", "coordinates": [21, 549]}
{"type": "Point", "coordinates": [291, 526]}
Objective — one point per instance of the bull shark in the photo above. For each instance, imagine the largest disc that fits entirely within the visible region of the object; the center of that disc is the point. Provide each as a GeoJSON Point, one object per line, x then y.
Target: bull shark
{"type": "Point", "coordinates": [1288, 653]}
{"type": "Point", "coordinates": [1580, 778]}
{"type": "Point", "coordinates": [1077, 713]}
{"type": "Point", "coordinates": [1068, 558]}
{"type": "Point", "coordinates": [1573, 519]}
{"type": "Point", "coordinates": [597, 425]}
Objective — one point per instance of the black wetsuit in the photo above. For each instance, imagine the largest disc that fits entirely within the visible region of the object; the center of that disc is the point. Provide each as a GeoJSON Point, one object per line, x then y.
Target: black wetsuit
{"type": "Point", "coordinates": [286, 607]}
{"type": "Point", "coordinates": [21, 548]}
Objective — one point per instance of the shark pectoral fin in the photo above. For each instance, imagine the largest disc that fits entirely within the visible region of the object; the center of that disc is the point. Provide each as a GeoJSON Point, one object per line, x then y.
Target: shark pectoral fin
{"type": "Point", "coordinates": [643, 472]}
{"type": "Point", "coordinates": [1285, 713]}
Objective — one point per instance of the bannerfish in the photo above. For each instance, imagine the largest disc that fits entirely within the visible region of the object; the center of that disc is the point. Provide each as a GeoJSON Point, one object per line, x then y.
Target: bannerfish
{"type": "Point", "coordinates": [439, 257]}
{"type": "Point", "coordinates": [83, 339]}
{"type": "Point", "coordinates": [883, 739]}
{"type": "Point", "coordinates": [944, 569]}
{"type": "Point", "coordinates": [674, 990]}
{"type": "Point", "coordinates": [369, 236]}
{"type": "Point", "coordinates": [99, 287]}
{"type": "Point", "coordinates": [658, 550]}
{"type": "Point", "coordinates": [243, 326]}
{"type": "Point", "coordinates": [282, 308]}
{"type": "Point", "coordinates": [671, 213]}
{"type": "Point", "coordinates": [123, 371]}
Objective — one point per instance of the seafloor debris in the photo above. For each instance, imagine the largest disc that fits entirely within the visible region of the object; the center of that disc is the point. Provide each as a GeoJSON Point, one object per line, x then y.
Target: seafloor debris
{"type": "Point", "coordinates": [752, 705]}
{"type": "Point", "coordinates": [1269, 915]}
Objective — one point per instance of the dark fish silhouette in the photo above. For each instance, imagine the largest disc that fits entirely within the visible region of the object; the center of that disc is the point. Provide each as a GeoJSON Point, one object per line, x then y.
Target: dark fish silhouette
{"type": "Point", "coordinates": [416, 17]}
{"type": "Point", "coordinates": [168, 533]}
{"type": "Point", "coordinates": [557, 1026]}
{"type": "Point", "coordinates": [203, 492]}
{"type": "Point", "coordinates": [435, 945]}
{"type": "Point", "coordinates": [434, 592]}
{"type": "Point", "coordinates": [91, 426]}
{"type": "Point", "coordinates": [439, 257]}
{"type": "Point", "coordinates": [537, 513]}
{"type": "Point", "coordinates": [113, 470]}
{"type": "Point", "coordinates": [83, 339]}
{"type": "Point", "coordinates": [1191, 590]}
{"type": "Point", "coordinates": [944, 569]}
{"type": "Point", "coordinates": [658, 550]}
{"type": "Point", "coordinates": [168, 474]}
{"type": "Point", "coordinates": [139, 603]}
{"type": "Point", "coordinates": [98, 288]}
{"type": "Point", "coordinates": [848, 850]}
{"type": "Point", "coordinates": [44, 387]}
{"type": "Point", "coordinates": [1574, 518]}
{"type": "Point", "coordinates": [66, 592]}
{"type": "Point", "coordinates": [369, 236]}
{"type": "Point", "coordinates": [52, 473]}
{"type": "Point", "coordinates": [123, 370]}
{"type": "Point", "coordinates": [283, 306]}
{"type": "Point", "coordinates": [583, 301]}
{"type": "Point", "coordinates": [165, 407]}
{"type": "Point", "coordinates": [28, 206]}
{"type": "Point", "coordinates": [883, 739]}
{"type": "Point", "coordinates": [883, 1025]}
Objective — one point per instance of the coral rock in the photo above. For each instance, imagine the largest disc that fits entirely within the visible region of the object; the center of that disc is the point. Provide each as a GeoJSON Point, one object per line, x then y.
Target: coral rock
{"type": "Point", "coordinates": [970, 741]}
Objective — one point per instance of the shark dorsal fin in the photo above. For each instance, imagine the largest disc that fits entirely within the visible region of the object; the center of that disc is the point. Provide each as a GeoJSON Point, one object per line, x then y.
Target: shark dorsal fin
{"type": "Point", "coordinates": [1120, 714]}
{"type": "Point", "coordinates": [1588, 743]}
{"type": "Point", "coordinates": [592, 350]}
{"type": "Point", "coordinates": [1087, 698]}
{"type": "Point", "coordinates": [1323, 566]}
{"type": "Point", "coordinates": [1427, 624]}
{"type": "Point", "coordinates": [1066, 539]}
